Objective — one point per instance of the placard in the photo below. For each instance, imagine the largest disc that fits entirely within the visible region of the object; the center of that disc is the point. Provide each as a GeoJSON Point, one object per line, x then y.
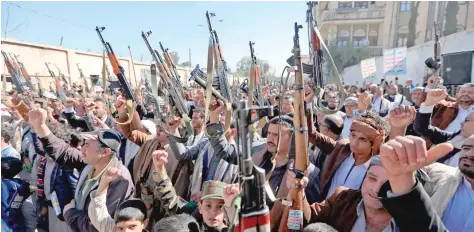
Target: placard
{"type": "Point", "coordinates": [394, 61]}
{"type": "Point", "coordinates": [368, 69]}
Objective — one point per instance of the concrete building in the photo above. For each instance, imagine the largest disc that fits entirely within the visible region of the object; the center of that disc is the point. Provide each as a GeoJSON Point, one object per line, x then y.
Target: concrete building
{"type": "Point", "coordinates": [375, 25]}
{"type": "Point", "coordinates": [458, 47]}
{"type": "Point", "coordinates": [33, 56]}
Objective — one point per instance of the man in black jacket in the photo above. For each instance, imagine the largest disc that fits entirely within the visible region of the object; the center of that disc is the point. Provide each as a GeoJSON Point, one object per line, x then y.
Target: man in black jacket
{"type": "Point", "coordinates": [79, 122]}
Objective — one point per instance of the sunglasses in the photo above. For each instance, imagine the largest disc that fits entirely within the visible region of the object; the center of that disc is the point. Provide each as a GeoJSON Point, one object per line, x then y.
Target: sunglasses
{"type": "Point", "coordinates": [468, 119]}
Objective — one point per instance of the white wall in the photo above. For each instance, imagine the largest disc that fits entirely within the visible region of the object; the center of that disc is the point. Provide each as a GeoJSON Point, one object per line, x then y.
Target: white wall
{"type": "Point", "coordinates": [416, 56]}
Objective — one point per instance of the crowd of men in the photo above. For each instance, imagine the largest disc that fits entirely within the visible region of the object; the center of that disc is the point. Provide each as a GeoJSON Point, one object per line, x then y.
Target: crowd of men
{"type": "Point", "coordinates": [371, 167]}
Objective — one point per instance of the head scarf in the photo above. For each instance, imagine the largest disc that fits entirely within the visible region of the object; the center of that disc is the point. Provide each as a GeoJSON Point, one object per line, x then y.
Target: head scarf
{"type": "Point", "coordinates": [369, 127]}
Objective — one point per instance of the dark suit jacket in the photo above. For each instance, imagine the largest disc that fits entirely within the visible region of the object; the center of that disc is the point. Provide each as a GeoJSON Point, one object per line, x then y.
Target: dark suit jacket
{"type": "Point", "coordinates": [78, 122]}
{"type": "Point", "coordinates": [412, 211]}
{"type": "Point", "coordinates": [422, 126]}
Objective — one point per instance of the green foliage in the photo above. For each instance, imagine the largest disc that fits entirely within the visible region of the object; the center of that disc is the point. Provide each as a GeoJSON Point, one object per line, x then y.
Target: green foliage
{"type": "Point", "coordinates": [412, 33]}
{"type": "Point", "coordinates": [174, 57]}
{"type": "Point", "coordinates": [185, 64]}
{"type": "Point", "coordinates": [348, 56]}
{"type": "Point", "coordinates": [452, 10]}
{"type": "Point", "coordinates": [244, 64]}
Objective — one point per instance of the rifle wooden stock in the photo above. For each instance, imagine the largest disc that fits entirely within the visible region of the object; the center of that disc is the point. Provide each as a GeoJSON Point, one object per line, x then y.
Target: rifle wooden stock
{"type": "Point", "coordinates": [301, 136]}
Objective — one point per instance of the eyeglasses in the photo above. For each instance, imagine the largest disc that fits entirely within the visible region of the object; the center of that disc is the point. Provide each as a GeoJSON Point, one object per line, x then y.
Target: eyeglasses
{"type": "Point", "coordinates": [468, 119]}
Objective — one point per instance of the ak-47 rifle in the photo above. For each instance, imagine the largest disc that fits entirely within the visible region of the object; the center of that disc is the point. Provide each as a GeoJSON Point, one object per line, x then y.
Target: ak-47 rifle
{"type": "Point", "coordinates": [40, 86]}
{"type": "Point", "coordinates": [59, 89]}
{"type": "Point", "coordinates": [171, 83]}
{"type": "Point", "coordinates": [301, 148]}
{"type": "Point", "coordinates": [61, 75]}
{"type": "Point", "coordinates": [220, 63]}
{"type": "Point", "coordinates": [170, 63]}
{"type": "Point", "coordinates": [86, 84]}
{"type": "Point", "coordinates": [434, 63]}
{"type": "Point", "coordinates": [221, 83]}
{"type": "Point", "coordinates": [24, 73]}
{"type": "Point", "coordinates": [120, 73]}
{"type": "Point", "coordinates": [254, 212]}
{"type": "Point", "coordinates": [16, 79]}
{"type": "Point", "coordinates": [256, 96]}
{"type": "Point", "coordinates": [316, 45]}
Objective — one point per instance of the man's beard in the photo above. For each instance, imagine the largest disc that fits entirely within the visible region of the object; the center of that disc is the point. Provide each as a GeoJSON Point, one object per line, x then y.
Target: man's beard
{"type": "Point", "coordinates": [465, 99]}
{"type": "Point", "coordinates": [469, 172]}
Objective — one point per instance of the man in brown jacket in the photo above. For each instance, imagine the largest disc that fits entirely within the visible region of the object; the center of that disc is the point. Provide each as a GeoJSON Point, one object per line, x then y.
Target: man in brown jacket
{"type": "Point", "coordinates": [348, 161]}
{"type": "Point", "coordinates": [448, 115]}
{"type": "Point", "coordinates": [355, 210]}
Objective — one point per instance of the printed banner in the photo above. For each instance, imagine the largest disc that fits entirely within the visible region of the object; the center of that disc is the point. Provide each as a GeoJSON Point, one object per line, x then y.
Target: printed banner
{"type": "Point", "coordinates": [368, 69]}
{"type": "Point", "coordinates": [394, 61]}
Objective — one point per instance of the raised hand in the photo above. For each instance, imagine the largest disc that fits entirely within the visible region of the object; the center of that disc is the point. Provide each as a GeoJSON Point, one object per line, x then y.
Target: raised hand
{"type": "Point", "coordinates": [433, 81]}
{"type": "Point", "coordinates": [160, 158]}
{"type": "Point", "coordinates": [120, 105]}
{"type": "Point", "coordinates": [364, 101]}
{"type": "Point", "coordinates": [230, 192]}
{"type": "Point", "coordinates": [37, 117]}
{"type": "Point", "coordinates": [70, 102]}
{"type": "Point", "coordinates": [111, 174]}
{"type": "Point", "coordinates": [434, 96]}
{"type": "Point", "coordinates": [99, 123]}
{"type": "Point", "coordinates": [403, 155]}
{"type": "Point", "coordinates": [402, 116]}
{"type": "Point", "coordinates": [174, 123]}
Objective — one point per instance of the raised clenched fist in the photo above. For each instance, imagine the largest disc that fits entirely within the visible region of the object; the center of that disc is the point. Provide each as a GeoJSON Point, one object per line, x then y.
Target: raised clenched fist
{"type": "Point", "coordinates": [37, 117]}
{"type": "Point", "coordinates": [434, 96]}
{"type": "Point", "coordinates": [160, 158]}
{"type": "Point", "coordinates": [230, 192]}
{"type": "Point", "coordinates": [402, 116]}
{"type": "Point", "coordinates": [110, 175]}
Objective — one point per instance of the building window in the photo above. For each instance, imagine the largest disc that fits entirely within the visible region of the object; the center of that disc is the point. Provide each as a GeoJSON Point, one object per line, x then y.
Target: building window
{"type": "Point", "coordinates": [342, 38]}
{"type": "Point", "coordinates": [402, 40]}
{"type": "Point", "coordinates": [361, 5]}
{"type": "Point", "coordinates": [344, 5]}
{"type": "Point", "coordinates": [373, 38]}
{"type": "Point", "coordinates": [405, 6]}
{"type": "Point", "coordinates": [402, 36]}
{"type": "Point", "coordinates": [359, 39]}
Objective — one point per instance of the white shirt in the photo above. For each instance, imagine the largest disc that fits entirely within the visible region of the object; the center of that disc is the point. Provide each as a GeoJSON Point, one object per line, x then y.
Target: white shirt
{"type": "Point", "coordinates": [360, 223]}
{"type": "Point", "coordinates": [195, 139]}
{"type": "Point", "coordinates": [377, 102]}
{"type": "Point", "coordinates": [459, 214]}
{"type": "Point", "coordinates": [460, 117]}
{"type": "Point", "coordinates": [349, 175]}
{"type": "Point", "coordinates": [346, 131]}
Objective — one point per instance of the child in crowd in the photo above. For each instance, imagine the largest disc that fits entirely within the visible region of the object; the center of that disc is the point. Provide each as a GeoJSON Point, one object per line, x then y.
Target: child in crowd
{"type": "Point", "coordinates": [14, 193]}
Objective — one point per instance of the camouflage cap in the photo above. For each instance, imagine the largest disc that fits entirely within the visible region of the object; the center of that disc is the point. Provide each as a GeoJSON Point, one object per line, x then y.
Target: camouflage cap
{"type": "Point", "coordinates": [213, 189]}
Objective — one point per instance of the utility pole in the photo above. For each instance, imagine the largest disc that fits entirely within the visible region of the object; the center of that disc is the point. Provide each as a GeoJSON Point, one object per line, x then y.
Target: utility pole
{"type": "Point", "coordinates": [61, 42]}
{"type": "Point", "coordinates": [190, 64]}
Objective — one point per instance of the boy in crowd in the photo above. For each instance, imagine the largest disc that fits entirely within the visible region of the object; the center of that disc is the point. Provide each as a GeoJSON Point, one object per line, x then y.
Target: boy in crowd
{"type": "Point", "coordinates": [131, 215]}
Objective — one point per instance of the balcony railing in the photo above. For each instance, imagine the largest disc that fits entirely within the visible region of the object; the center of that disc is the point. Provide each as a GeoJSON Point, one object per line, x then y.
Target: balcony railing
{"type": "Point", "coordinates": [351, 15]}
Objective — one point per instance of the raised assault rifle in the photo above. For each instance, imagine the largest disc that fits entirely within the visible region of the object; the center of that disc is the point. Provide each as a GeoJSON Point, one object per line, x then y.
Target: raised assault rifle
{"type": "Point", "coordinates": [120, 73]}
{"type": "Point", "coordinates": [171, 83]}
